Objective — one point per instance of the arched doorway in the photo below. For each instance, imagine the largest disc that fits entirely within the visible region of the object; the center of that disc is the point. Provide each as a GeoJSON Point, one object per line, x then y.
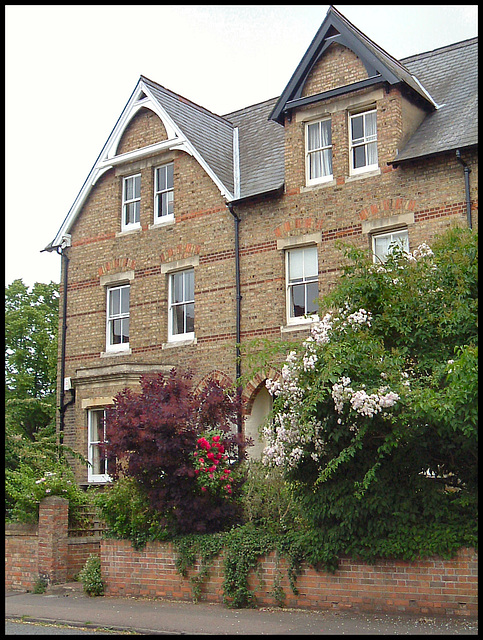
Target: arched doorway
{"type": "Point", "coordinates": [261, 407]}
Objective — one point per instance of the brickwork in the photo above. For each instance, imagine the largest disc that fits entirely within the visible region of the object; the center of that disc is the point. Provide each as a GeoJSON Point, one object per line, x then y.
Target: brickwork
{"type": "Point", "coordinates": [52, 538]}
{"type": "Point", "coordinates": [21, 556]}
{"type": "Point", "coordinates": [338, 67]}
{"type": "Point", "coordinates": [44, 550]}
{"type": "Point", "coordinates": [433, 586]}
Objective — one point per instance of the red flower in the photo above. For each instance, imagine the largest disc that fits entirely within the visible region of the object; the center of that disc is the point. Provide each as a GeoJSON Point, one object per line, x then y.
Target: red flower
{"type": "Point", "coordinates": [203, 488]}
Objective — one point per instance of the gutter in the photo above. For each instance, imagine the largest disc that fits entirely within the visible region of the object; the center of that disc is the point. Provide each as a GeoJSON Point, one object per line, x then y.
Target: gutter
{"type": "Point", "coordinates": [467, 172]}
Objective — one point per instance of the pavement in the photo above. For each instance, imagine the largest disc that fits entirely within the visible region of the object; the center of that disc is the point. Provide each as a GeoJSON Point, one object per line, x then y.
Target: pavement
{"type": "Point", "coordinates": [68, 605]}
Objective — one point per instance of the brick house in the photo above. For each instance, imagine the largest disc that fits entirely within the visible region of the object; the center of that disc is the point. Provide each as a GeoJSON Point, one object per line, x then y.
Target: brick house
{"type": "Point", "coordinates": [194, 233]}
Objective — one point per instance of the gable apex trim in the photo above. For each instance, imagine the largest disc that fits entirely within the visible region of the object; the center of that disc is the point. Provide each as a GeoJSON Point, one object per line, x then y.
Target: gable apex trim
{"type": "Point", "coordinates": [141, 97]}
{"type": "Point", "coordinates": [336, 28]}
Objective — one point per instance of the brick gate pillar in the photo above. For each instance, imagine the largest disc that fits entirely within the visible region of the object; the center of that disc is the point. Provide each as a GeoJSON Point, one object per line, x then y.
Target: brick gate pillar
{"type": "Point", "coordinates": [52, 539]}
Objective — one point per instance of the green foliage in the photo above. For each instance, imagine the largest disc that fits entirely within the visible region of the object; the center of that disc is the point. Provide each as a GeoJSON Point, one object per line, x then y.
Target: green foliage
{"type": "Point", "coordinates": [201, 549]}
{"type": "Point", "coordinates": [268, 501]}
{"type": "Point", "coordinates": [91, 578]}
{"type": "Point", "coordinates": [31, 324]}
{"type": "Point", "coordinates": [40, 585]}
{"type": "Point", "coordinates": [243, 548]}
{"type": "Point", "coordinates": [375, 416]}
{"type": "Point", "coordinates": [36, 469]}
{"type": "Point", "coordinates": [125, 509]}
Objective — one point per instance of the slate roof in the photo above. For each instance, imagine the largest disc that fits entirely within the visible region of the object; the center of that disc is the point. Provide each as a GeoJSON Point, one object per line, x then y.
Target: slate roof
{"type": "Point", "coordinates": [261, 145]}
{"type": "Point", "coordinates": [209, 133]}
{"type": "Point", "coordinates": [450, 75]}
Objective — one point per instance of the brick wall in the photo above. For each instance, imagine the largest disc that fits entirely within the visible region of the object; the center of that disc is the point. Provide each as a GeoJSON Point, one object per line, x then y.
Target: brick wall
{"type": "Point", "coordinates": [44, 550]}
{"type": "Point", "coordinates": [21, 556]}
{"type": "Point", "coordinates": [434, 586]}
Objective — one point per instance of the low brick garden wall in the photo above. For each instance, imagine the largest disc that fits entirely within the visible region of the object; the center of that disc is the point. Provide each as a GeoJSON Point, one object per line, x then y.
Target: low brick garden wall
{"type": "Point", "coordinates": [435, 586]}
{"type": "Point", "coordinates": [45, 550]}
{"type": "Point", "coordinates": [431, 586]}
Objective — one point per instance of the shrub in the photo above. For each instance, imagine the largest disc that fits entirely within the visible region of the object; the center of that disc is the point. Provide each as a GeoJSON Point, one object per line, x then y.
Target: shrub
{"type": "Point", "coordinates": [375, 414]}
{"type": "Point", "coordinates": [153, 436]}
{"type": "Point", "coordinates": [90, 576]}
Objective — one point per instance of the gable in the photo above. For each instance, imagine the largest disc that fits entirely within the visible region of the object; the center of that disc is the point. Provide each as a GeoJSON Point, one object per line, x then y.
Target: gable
{"type": "Point", "coordinates": [144, 129]}
{"type": "Point", "coordinates": [379, 65]}
{"type": "Point", "coordinates": [338, 67]}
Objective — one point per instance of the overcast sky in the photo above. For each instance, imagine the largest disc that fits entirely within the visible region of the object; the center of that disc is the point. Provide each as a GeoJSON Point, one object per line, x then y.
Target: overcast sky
{"type": "Point", "coordinates": [70, 70]}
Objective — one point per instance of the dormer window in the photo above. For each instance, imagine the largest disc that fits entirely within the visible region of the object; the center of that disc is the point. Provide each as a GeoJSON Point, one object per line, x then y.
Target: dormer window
{"type": "Point", "coordinates": [318, 137]}
{"type": "Point", "coordinates": [363, 141]}
{"type": "Point", "coordinates": [131, 202]}
{"type": "Point", "coordinates": [163, 193]}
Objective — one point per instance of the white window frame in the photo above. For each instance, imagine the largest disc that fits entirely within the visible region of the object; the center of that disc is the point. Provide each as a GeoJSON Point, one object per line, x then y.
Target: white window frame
{"type": "Point", "coordinates": [310, 152]}
{"type": "Point", "coordinates": [385, 234]}
{"type": "Point", "coordinates": [362, 142]}
{"type": "Point", "coordinates": [187, 335]}
{"type": "Point", "coordinates": [91, 447]}
{"type": "Point", "coordinates": [110, 318]}
{"type": "Point", "coordinates": [136, 199]}
{"type": "Point", "coordinates": [158, 195]}
{"type": "Point", "coordinates": [306, 280]}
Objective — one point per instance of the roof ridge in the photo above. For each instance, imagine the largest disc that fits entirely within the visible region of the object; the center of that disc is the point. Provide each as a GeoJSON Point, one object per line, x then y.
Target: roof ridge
{"type": "Point", "coordinates": [251, 106]}
{"type": "Point", "coordinates": [446, 47]}
{"type": "Point", "coordinates": [185, 100]}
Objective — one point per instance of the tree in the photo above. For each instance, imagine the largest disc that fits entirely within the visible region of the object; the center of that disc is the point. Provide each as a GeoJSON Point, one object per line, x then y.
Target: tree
{"type": "Point", "coordinates": [31, 323]}
{"type": "Point", "coordinates": [375, 414]}
{"type": "Point", "coordinates": [158, 437]}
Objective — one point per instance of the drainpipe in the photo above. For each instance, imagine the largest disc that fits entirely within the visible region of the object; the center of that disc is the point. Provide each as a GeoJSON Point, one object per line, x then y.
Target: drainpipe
{"type": "Point", "coordinates": [467, 172]}
{"type": "Point", "coordinates": [236, 217]}
{"type": "Point", "coordinates": [63, 405]}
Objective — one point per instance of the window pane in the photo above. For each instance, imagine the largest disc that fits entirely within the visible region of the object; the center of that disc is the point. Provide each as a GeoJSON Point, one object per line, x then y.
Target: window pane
{"type": "Point", "coordinates": [124, 300]}
{"type": "Point", "coordinates": [170, 207]}
{"type": "Point", "coordinates": [177, 284]}
{"type": "Point", "coordinates": [161, 178]}
{"type": "Point", "coordinates": [137, 186]}
{"type": "Point", "coordinates": [114, 302]}
{"type": "Point", "coordinates": [95, 424]}
{"type": "Point", "coordinates": [372, 153]}
{"type": "Point", "coordinates": [359, 157]}
{"type": "Point", "coordinates": [298, 301]}
{"type": "Point", "coordinates": [357, 127]}
{"type": "Point", "coordinates": [296, 265]}
{"type": "Point", "coordinates": [327, 162]}
{"type": "Point", "coordinates": [310, 262]}
{"type": "Point", "coordinates": [315, 165]}
{"type": "Point", "coordinates": [189, 284]}
{"type": "Point", "coordinates": [169, 175]}
{"type": "Point", "coordinates": [125, 330]}
{"type": "Point", "coordinates": [326, 133]}
{"type": "Point", "coordinates": [178, 320]}
{"type": "Point", "coordinates": [96, 468]}
{"type": "Point", "coordinates": [128, 189]}
{"type": "Point", "coordinates": [313, 136]}
{"type": "Point", "coordinates": [312, 297]}
{"type": "Point", "coordinates": [370, 124]}
{"type": "Point", "coordinates": [190, 317]}
{"type": "Point", "coordinates": [116, 332]}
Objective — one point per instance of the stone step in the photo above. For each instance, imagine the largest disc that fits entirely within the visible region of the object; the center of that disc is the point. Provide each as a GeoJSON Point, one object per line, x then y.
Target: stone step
{"type": "Point", "coordinates": [65, 589]}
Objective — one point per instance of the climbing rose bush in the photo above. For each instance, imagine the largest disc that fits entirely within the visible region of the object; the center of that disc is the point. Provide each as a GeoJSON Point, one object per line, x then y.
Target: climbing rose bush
{"type": "Point", "coordinates": [374, 418]}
